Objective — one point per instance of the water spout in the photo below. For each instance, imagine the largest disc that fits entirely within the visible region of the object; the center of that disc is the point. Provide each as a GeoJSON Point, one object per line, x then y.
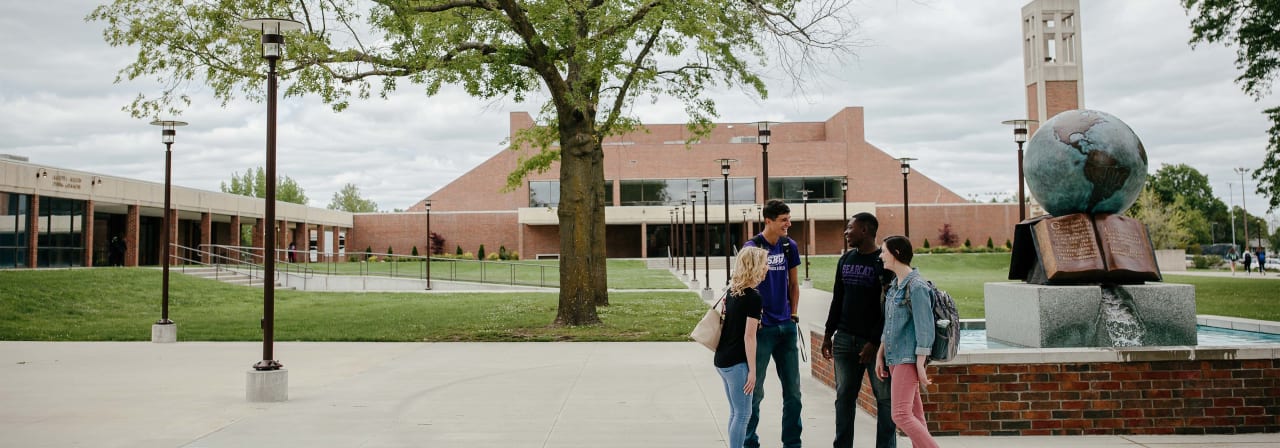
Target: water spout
{"type": "Point", "coordinates": [1124, 328]}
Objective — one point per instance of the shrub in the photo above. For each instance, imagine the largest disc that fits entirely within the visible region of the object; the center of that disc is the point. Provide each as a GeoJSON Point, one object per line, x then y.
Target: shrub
{"type": "Point", "coordinates": [373, 258]}
{"type": "Point", "coordinates": [436, 244]}
{"type": "Point", "coordinates": [967, 244]}
{"type": "Point", "coordinates": [1214, 260]}
{"type": "Point", "coordinates": [1008, 244]}
{"type": "Point", "coordinates": [502, 253]}
{"type": "Point", "coordinates": [481, 253]}
{"type": "Point", "coordinates": [514, 255]}
{"type": "Point", "coordinates": [926, 245]}
{"type": "Point", "coordinates": [466, 256]}
{"type": "Point", "coordinates": [923, 250]}
{"type": "Point", "coordinates": [459, 251]}
{"type": "Point", "coordinates": [368, 251]}
{"type": "Point", "coordinates": [415, 251]}
{"type": "Point", "coordinates": [989, 244]}
{"type": "Point", "coordinates": [493, 257]}
{"type": "Point", "coordinates": [943, 250]}
{"type": "Point", "coordinates": [947, 237]}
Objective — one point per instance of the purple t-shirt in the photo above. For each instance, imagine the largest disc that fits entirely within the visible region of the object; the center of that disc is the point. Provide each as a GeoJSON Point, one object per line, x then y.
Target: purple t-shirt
{"type": "Point", "coordinates": [775, 290]}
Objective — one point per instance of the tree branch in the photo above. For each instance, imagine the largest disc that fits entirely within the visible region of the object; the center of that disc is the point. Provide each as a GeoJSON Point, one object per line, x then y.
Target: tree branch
{"type": "Point", "coordinates": [621, 97]}
{"type": "Point", "coordinates": [635, 18]}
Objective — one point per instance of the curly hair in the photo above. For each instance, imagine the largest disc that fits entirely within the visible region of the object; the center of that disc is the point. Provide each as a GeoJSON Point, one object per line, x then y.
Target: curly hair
{"type": "Point", "coordinates": [749, 269]}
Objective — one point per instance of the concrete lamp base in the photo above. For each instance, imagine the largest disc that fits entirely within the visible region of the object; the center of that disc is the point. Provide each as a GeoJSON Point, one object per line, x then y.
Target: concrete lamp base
{"type": "Point", "coordinates": [693, 284]}
{"type": "Point", "coordinates": [708, 294]}
{"type": "Point", "coordinates": [164, 333]}
{"type": "Point", "coordinates": [267, 386]}
{"type": "Point", "coordinates": [806, 283]}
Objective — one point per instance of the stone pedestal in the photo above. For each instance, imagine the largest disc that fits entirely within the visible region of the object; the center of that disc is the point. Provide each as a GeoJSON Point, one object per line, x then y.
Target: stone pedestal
{"type": "Point", "coordinates": [806, 283]}
{"type": "Point", "coordinates": [1073, 316]}
{"type": "Point", "coordinates": [164, 333]}
{"type": "Point", "coordinates": [693, 284]}
{"type": "Point", "coordinates": [708, 294]}
{"type": "Point", "coordinates": [267, 386]}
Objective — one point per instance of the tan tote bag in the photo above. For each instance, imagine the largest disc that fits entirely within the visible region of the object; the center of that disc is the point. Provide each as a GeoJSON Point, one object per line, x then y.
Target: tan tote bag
{"type": "Point", "coordinates": [707, 332]}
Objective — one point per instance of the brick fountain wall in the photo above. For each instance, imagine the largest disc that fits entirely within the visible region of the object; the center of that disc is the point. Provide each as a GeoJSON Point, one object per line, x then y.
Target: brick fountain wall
{"type": "Point", "coordinates": [1171, 390]}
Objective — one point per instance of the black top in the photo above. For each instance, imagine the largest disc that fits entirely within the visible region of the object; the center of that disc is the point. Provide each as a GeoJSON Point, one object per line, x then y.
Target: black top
{"type": "Point", "coordinates": [855, 300]}
{"type": "Point", "coordinates": [732, 350]}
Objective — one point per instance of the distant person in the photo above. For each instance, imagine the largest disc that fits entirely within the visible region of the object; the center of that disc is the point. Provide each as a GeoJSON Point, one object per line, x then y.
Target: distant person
{"type": "Point", "coordinates": [117, 249]}
{"type": "Point", "coordinates": [1248, 261]}
{"type": "Point", "coordinates": [1262, 261]}
{"type": "Point", "coordinates": [1232, 257]}
{"type": "Point", "coordinates": [854, 324]}
{"type": "Point", "coordinates": [293, 252]}
{"type": "Point", "coordinates": [907, 340]}
{"type": "Point", "coordinates": [736, 354]}
{"type": "Point", "coordinates": [779, 333]}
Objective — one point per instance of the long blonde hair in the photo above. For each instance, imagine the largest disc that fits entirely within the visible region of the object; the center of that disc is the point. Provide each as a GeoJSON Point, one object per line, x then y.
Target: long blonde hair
{"type": "Point", "coordinates": [749, 269]}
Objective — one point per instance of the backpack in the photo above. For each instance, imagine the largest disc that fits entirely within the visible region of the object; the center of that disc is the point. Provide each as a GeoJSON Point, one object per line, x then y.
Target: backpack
{"type": "Point", "coordinates": [783, 240]}
{"type": "Point", "coordinates": [946, 329]}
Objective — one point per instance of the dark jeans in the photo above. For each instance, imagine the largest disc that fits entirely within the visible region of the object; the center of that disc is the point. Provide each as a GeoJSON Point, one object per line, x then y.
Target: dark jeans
{"type": "Point", "coordinates": [849, 371]}
{"type": "Point", "coordinates": [779, 343]}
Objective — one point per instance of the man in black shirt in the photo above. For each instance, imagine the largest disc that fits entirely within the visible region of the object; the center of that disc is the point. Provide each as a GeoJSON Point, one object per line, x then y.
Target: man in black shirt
{"type": "Point", "coordinates": [853, 329]}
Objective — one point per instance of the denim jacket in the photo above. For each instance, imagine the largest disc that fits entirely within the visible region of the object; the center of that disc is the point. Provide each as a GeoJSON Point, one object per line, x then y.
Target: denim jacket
{"type": "Point", "coordinates": [902, 338]}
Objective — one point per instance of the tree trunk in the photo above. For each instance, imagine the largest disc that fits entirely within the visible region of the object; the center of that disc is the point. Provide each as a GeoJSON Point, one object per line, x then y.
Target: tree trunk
{"type": "Point", "coordinates": [581, 216]}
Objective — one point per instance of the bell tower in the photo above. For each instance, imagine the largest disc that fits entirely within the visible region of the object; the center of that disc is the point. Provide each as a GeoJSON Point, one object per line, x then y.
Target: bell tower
{"type": "Point", "coordinates": [1051, 57]}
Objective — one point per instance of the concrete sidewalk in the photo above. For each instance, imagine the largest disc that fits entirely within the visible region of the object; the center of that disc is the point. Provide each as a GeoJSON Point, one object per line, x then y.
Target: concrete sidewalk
{"type": "Point", "coordinates": [139, 394]}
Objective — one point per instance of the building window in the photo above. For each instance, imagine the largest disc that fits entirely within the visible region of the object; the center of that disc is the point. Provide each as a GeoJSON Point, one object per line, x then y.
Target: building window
{"type": "Point", "coordinates": [546, 193]}
{"type": "Point", "coordinates": [60, 242]}
{"type": "Point", "coordinates": [641, 192]}
{"type": "Point", "coordinates": [822, 189]}
{"type": "Point", "coordinates": [13, 230]}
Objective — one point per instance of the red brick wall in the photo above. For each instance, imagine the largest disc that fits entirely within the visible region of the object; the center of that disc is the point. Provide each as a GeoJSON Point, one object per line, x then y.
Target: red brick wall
{"type": "Point", "coordinates": [1225, 396]}
{"type": "Point", "coordinates": [1060, 96]}
{"type": "Point", "coordinates": [403, 231]}
{"type": "Point", "coordinates": [976, 222]}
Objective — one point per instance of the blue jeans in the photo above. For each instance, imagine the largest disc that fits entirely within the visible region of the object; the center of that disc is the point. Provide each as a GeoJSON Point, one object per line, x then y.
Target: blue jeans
{"type": "Point", "coordinates": [735, 378]}
{"type": "Point", "coordinates": [779, 343]}
{"type": "Point", "coordinates": [845, 348]}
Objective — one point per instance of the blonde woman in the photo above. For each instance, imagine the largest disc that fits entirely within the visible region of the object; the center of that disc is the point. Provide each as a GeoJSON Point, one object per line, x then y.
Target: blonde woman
{"type": "Point", "coordinates": [736, 355]}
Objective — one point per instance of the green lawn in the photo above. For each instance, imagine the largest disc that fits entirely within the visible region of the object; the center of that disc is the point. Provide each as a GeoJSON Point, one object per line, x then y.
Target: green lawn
{"type": "Point", "coordinates": [623, 274]}
{"type": "Point", "coordinates": [963, 276]}
{"type": "Point", "coordinates": [108, 304]}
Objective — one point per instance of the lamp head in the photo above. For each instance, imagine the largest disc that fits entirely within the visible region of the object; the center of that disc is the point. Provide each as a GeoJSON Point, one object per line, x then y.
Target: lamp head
{"type": "Point", "coordinates": [844, 184]}
{"type": "Point", "coordinates": [706, 185]}
{"type": "Point", "coordinates": [724, 166]}
{"type": "Point", "coordinates": [426, 204]}
{"type": "Point", "coordinates": [906, 165]}
{"type": "Point", "coordinates": [272, 34]}
{"type": "Point", "coordinates": [167, 131]}
{"type": "Point", "coordinates": [763, 133]}
{"type": "Point", "coordinates": [1020, 128]}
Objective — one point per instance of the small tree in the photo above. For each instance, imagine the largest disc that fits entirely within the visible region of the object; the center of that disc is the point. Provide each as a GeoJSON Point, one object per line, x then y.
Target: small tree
{"type": "Point", "coordinates": [368, 251]}
{"type": "Point", "coordinates": [480, 254]}
{"type": "Point", "coordinates": [926, 243]}
{"type": "Point", "coordinates": [415, 251]}
{"type": "Point", "coordinates": [1008, 244]}
{"type": "Point", "coordinates": [967, 245]}
{"type": "Point", "coordinates": [437, 244]}
{"type": "Point", "coordinates": [389, 253]}
{"type": "Point", "coordinates": [990, 244]}
{"type": "Point", "coordinates": [459, 251]}
{"type": "Point", "coordinates": [502, 252]}
{"type": "Point", "coordinates": [948, 237]}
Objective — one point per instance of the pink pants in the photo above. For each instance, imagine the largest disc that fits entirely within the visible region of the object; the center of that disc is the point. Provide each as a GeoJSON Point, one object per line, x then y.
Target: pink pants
{"type": "Point", "coordinates": [908, 408]}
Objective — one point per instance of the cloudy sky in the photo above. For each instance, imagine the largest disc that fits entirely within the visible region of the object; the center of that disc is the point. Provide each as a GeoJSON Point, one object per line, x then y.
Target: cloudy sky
{"type": "Point", "coordinates": [936, 78]}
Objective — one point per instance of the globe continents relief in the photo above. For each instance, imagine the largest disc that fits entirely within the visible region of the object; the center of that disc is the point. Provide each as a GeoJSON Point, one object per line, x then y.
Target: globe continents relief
{"type": "Point", "coordinates": [1085, 161]}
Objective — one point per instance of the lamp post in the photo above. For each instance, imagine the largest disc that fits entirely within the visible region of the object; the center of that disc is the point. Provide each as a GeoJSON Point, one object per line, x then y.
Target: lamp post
{"type": "Point", "coordinates": [844, 207]}
{"type": "Point", "coordinates": [1244, 209]}
{"type": "Point", "coordinates": [426, 203]}
{"type": "Point", "coordinates": [759, 218]}
{"type": "Point", "coordinates": [746, 225]}
{"type": "Point", "coordinates": [693, 199]}
{"type": "Point", "coordinates": [1020, 129]}
{"type": "Point", "coordinates": [164, 330]}
{"type": "Point", "coordinates": [706, 237]}
{"type": "Point", "coordinates": [671, 239]}
{"type": "Point", "coordinates": [763, 136]}
{"type": "Point", "coordinates": [1231, 195]}
{"type": "Point", "coordinates": [804, 199]}
{"type": "Point", "coordinates": [684, 227]}
{"type": "Point", "coordinates": [906, 213]}
{"type": "Point", "coordinates": [272, 51]}
{"type": "Point", "coordinates": [724, 171]}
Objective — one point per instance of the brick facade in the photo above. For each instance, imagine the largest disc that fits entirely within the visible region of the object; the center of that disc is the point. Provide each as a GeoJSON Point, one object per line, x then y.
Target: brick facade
{"type": "Point", "coordinates": [1136, 391]}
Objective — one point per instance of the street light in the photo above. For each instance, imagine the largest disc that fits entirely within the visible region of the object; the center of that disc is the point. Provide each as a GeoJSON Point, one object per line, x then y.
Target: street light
{"type": "Point", "coordinates": [1244, 209]}
{"type": "Point", "coordinates": [763, 136]}
{"type": "Point", "coordinates": [706, 236]}
{"type": "Point", "coordinates": [759, 219]}
{"type": "Point", "coordinates": [906, 213]}
{"type": "Point", "coordinates": [163, 330]}
{"type": "Point", "coordinates": [671, 235]}
{"type": "Point", "coordinates": [844, 206]}
{"type": "Point", "coordinates": [724, 171]}
{"type": "Point", "coordinates": [272, 51]}
{"type": "Point", "coordinates": [426, 203]}
{"type": "Point", "coordinates": [1020, 129]}
{"type": "Point", "coordinates": [684, 227]}
{"type": "Point", "coordinates": [693, 199]}
{"type": "Point", "coordinates": [804, 199]}
{"type": "Point", "coordinates": [1231, 195]}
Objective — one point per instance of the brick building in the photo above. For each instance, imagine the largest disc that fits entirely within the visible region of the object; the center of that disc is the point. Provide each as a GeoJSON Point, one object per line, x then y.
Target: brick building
{"type": "Point", "coordinates": [649, 172]}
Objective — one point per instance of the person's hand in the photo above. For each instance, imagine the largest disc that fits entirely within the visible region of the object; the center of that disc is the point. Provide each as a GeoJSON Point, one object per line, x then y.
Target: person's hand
{"type": "Point", "coordinates": [880, 370]}
{"type": "Point", "coordinates": [923, 375]}
{"type": "Point", "coordinates": [750, 386]}
{"type": "Point", "coordinates": [868, 352]}
{"type": "Point", "coordinates": [826, 348]}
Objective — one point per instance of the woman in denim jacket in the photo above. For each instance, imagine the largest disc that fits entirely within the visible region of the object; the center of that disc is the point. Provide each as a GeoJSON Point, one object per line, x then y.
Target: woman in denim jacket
{"type": "Point", "coordinates": [905, 346]}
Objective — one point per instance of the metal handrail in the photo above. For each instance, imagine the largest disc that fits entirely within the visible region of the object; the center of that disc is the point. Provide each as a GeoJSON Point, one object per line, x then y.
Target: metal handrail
{"type": "Point", "coordinates": [248, 259]}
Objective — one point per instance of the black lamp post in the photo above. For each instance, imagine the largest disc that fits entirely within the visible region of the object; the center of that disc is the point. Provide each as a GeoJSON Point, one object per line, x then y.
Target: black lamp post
{"type": "Point", "coordinates": [684, 227]}
{"type": "Point", "coordinates": [272, 51]}
{"type": "Point", "coordinates": [1020, 129]}
{"type": "Point", "coordinates": [804, 199]}
{"type": "Point", "coordinates": [426, 203]}
{"type": "Point", "coordinates": [693, 200]}
{"type": "Point", "coordinates": [706, 232]}
{"type": "Point", "coordinates": [671, 239]}
{"type": "Point", "coordinates": [167, 134]}
{"type": "Point", "coordinates": [1244, 214]}
{"type": "Point", "coordinates": [763, 136]}
{"type": "Point", "coordinates": [724, 171]}
{"type": "Point", "coordinates": [906, 213]}
{"type": "Point", "coordinates": [844, 207]}
{"type": "Point", "coordinates": [759, 219]}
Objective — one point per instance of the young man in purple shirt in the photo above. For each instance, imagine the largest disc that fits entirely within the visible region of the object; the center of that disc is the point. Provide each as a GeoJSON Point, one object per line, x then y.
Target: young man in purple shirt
{"type": "Point", "coordinates": [778, 335]}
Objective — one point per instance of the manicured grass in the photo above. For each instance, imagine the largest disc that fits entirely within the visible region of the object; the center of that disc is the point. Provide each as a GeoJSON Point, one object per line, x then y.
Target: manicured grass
{"type": "Point", "coordinates": [623, 274]}
{"type": "Point", "coordinates": [120, 304]}
{"type": "Point", "coordinates": [963, 276]}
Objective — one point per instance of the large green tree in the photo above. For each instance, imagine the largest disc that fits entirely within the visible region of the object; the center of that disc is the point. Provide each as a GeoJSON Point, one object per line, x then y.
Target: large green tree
{"type": "Point", "coordinates": [1172, 182]}
{"type": "Point", "coordinates": [590, 60]}
{"type": "Point", "coordinates": [348, 199]}
{"type": "Point", "coordinates": [253, 183]}
{"type": "Point", "coordinates": [1249, 25]}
